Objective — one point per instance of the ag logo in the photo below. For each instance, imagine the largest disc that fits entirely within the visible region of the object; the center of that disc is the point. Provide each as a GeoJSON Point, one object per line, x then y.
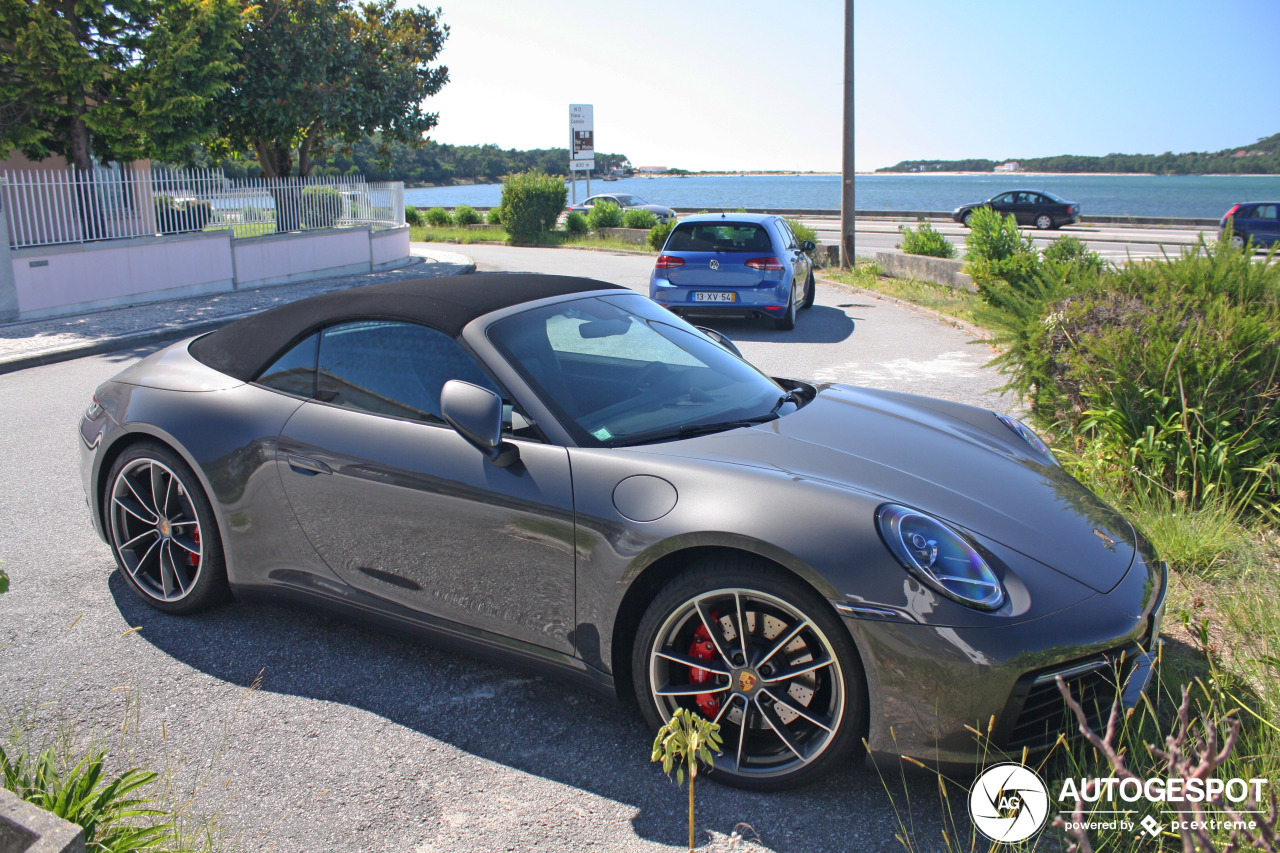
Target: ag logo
{"type": "Point", "coordinates": [1008, 803]}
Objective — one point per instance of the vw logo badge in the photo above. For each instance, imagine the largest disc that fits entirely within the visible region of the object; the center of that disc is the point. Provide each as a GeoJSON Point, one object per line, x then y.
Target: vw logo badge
{"type": "Point", "coordinates": [715, 265]}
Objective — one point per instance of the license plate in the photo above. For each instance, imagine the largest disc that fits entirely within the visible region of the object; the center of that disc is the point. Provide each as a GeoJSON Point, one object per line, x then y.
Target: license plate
{"type": "Point", "coordinates": [713, 296]}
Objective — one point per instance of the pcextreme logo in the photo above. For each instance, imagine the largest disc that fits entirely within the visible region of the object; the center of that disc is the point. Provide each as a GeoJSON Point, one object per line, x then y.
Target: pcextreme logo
{"type": "Point", "coordinates": [1009, 803]}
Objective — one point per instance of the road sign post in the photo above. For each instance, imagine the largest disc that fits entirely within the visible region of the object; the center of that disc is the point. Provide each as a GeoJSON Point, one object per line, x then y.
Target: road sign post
{"type": "Point", "coordinates": [582, 143]}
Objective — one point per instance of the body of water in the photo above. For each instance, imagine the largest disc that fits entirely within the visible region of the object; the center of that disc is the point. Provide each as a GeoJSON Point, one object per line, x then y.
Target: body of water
{"type": "Point", "coordinates": [1132, 195]}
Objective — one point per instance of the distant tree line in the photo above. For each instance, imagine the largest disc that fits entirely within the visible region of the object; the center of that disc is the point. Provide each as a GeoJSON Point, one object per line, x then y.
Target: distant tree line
{"type": "Point", "coordinates": [433, 163]}
{"type": "Point", "coordinates": [1260, 158]}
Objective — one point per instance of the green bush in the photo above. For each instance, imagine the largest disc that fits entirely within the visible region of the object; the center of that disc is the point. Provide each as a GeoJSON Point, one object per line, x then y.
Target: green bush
{"type": "Point", "coordinates": [639, 218]}
{"type": "Point", "coordinates": [925, 241]}
{"type": "Point", "coordinates": [531, 204]}
{"type": "Point", "coordinates": [998, 253]}
{"type": "Point", "coordinates": [321, 207]}
{"type": "Point", "coordinates": [658, 234]}
{"type": "Point", "coordinates": [494, 216]}
{"type": "Point", "coordinates": [465, 214]}
{"type": "Point", "coordinates": [412, 216]}
{"type": "Point", "coordinates": [605, 214]}
{"type": "Point", "coordinates": [1168, 370]}
{"type": "Point", "coordinates": [438, 217]}
{"type": "Point", "coordinates": [575, 223]}
{"type": "Point", "coordinates": [1072, 252]}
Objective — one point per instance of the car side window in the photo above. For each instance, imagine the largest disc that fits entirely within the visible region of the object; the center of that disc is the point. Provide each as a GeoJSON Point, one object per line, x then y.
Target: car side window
{"type": "Point", "coordinates": [295, 371]}
{"type": "Point", "coordinates": [1265, 211]}
{"type": "Point", "coordinates": [784, 231]}
{"type": "Point", "coordinates": [1036, 198]}
{"type": "Point", "coordinates": [392, 368]}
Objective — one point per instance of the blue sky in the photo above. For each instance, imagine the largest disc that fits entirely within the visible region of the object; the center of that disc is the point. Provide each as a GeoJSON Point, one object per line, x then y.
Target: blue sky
{"type": "Point", "coordinates": [742, 84]}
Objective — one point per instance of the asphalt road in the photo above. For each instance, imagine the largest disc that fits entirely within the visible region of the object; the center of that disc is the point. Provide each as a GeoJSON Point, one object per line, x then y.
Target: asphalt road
{"type": "Point", "coordinates": [1114, 242]}
{"type": "Point", "coordinates": [297, 732]}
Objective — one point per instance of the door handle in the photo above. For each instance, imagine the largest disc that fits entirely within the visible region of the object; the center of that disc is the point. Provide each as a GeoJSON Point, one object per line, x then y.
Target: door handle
{"type": "Point", "coordinates": [307, 465]}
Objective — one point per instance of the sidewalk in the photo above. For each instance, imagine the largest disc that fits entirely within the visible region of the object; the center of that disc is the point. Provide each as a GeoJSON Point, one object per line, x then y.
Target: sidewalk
{"type": "Point", "coordinates": [29, 343]}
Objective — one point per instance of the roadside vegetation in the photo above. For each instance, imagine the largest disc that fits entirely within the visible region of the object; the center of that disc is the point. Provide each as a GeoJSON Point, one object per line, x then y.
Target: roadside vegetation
{"type": "Point", "coordinates": [925, 241]}
{"type": "Point", "coordinates": [1158, 386]}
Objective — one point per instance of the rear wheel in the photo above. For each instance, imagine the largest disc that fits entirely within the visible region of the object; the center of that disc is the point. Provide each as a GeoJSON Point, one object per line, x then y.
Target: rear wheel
{"type": "Point", "coordinates": [810, 292]}
{"type": "Point", "coordinates": [1237, 241]}
{"type": "Point", "coordinates": [787, 321]}
{"type": "Point", "coordinates": [753, 649]}
{"type": "Point", "coordinates": [964, 220]}
{"type": "Point", "coordinates": [162, 531]}
{"type": "Point", "coordinates": [1044, 222]}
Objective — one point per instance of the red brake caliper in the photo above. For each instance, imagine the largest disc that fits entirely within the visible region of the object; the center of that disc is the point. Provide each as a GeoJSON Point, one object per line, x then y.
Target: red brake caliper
{"type": "Point", "coordinates": [194, 559]}
{"type": "Point", "coordinates": [704, 649]}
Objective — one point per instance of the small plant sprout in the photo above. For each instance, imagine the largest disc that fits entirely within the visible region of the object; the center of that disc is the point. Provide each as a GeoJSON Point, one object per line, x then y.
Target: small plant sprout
{"type": "Point", "coordinates": [687, 740]}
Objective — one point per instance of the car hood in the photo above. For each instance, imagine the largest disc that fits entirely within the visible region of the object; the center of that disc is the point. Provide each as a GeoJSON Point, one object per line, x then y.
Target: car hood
{"type": "Point", "coordinates": [955, 462]}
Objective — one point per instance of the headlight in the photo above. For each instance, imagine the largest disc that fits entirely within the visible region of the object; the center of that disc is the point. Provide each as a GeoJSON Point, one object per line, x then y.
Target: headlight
{"type": "Point", "coordinates": [1029, 436]}
{"type": "Point", "coordinates": [939, 556]}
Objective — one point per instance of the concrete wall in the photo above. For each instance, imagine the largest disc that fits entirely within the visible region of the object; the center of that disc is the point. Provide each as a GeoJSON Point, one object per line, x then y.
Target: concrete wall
{"type": "Point", "coordinates": [923, 268]}
{"type": "Point", "coordinates": [67, 279]}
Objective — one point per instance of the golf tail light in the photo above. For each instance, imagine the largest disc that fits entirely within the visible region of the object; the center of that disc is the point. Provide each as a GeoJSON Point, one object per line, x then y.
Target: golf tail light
{"type": "Point", "coordinates": [772, 264]}
{"type": "Point", "coordinates": [939, 556]}
{"type": "Point", "coordinates": [666, 262]}
{"type": "Point", "coordinates": [1028, 435]}
{"type": "Point", "coordinates": [1230, 213]}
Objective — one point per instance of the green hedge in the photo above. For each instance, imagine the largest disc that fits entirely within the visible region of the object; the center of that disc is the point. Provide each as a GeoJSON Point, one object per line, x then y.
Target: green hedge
{"type": "Point", "coordinates": [531, 204]}
{"type": "Point", "coordinates": [604, 214]}
{"type": "Point", "coordinates": [925, 241]}
{"type": "Point", "coordinates": [321, 207]}
{"type": "Point", "coordinates": [638, 217]}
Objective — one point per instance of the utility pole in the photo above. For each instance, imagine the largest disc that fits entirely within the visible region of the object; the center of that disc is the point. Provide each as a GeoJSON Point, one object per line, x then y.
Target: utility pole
{"type": "Point", "coordinates": [846, 187]}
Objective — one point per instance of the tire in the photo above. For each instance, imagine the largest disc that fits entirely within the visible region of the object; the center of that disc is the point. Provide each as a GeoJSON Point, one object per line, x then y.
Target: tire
{"type": "Point", "coordinates": [825, 709]}
{"type": "Point", "coordinates": [1237, 242]}
{"type": "Point", "coordinates": [162, 531]}
{"type": "Point", "coordinates": [810, 292]}
{"type": "Point", "coordinates": [787, 322]}
{"type": "Point", "coordinates": [964, 220]}
{"type": "Point", "coordinates": [1044, 222]}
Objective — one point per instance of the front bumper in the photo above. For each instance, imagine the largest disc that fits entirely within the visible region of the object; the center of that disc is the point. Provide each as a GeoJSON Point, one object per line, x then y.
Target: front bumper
{"type": "Point", "coordinates": [932, 687]}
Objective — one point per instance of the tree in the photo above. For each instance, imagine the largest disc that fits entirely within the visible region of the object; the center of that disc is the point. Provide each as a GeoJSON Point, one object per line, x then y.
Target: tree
{"type": "Point", "coordinates": [116, 80]}
{"type": "Point", "coordinates": [318, 72]}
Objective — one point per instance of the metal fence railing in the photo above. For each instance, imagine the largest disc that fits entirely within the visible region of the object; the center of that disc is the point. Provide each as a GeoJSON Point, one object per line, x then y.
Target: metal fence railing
{"type": "Point", "coordinates": [47, 207]}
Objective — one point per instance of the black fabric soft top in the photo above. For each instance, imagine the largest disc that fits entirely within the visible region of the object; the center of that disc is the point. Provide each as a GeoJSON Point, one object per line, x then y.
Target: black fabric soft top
{"type": "Point", "coordinates": [243, 348]}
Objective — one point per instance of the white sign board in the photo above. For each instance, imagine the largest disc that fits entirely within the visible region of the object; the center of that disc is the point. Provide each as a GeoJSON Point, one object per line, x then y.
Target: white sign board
{"type": "Point", "coordinates": [582, 137]}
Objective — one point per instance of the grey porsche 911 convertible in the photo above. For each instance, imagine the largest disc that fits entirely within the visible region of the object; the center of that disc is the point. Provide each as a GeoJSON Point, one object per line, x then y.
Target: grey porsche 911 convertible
{"type": "Point", "coordinates": [559, 473]}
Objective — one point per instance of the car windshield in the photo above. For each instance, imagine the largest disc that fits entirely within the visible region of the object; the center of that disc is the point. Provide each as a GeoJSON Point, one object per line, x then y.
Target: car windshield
{"type": "Point", "coordinates": [630, 200]}
{"type": "Point", "coordinates": [618, 370]}
{"type": "Point", "coordinates": [719, 237]}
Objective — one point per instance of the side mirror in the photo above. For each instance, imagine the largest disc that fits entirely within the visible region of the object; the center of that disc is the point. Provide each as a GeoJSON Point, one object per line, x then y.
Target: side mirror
{"type": "Point", "coordinates": [808, 246]}
{"type": "Point", "coordinates": [476, 413]}
{"type": "Point", "coordinates": [721, 339]}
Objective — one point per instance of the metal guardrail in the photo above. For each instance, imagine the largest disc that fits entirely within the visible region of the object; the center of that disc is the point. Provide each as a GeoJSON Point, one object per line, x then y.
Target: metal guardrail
{"type": "Point", "coordinates": [49, 207]}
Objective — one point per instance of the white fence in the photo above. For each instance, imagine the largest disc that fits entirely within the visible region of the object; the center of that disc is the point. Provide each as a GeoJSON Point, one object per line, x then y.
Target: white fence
{"type": "Point", "coordinates": [72, 206]}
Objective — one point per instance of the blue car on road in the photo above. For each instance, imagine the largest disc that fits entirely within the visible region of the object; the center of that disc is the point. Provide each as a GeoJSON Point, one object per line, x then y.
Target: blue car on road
{"type": "Point", "coordinates": [738, 264]}
{"type": "Point", "coordinates": [1258, 221]}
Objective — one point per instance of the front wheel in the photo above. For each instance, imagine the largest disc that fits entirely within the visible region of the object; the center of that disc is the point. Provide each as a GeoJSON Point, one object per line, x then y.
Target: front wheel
{"type": "Point", "coordinates": [1044, 222]}
{"type": "Point", "coordinates": [162, 531]}
{"type": "Point", "coordinates": [964, 220]}
{"type": "Point", "coordinates": [751, 648]}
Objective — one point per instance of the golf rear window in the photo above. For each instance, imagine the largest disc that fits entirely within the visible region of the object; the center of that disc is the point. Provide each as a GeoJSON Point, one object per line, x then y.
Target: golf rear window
{"type": "Point", "coordinates": [719, 237]}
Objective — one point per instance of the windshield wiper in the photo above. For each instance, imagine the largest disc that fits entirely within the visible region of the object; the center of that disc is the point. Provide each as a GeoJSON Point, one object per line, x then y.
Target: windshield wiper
{"type": "Point", "coordinates": [789, 397]}
{"type": "Point", "coordinates": [690, 430]}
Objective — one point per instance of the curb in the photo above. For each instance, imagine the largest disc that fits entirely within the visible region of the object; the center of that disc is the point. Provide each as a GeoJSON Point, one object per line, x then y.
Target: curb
{"type": "Point", "coordinates": [166, 334]}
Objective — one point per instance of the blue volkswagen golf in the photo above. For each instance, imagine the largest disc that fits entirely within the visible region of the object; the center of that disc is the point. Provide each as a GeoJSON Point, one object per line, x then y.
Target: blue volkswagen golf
{"type": "Point", "coordinates": [734, 264]}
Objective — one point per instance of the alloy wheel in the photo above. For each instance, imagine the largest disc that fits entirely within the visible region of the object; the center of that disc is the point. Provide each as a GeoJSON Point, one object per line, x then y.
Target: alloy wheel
{"type": "Point", "coordinates": [155, 530]}
{"type": "Point", "coordinates": [758, 666]}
